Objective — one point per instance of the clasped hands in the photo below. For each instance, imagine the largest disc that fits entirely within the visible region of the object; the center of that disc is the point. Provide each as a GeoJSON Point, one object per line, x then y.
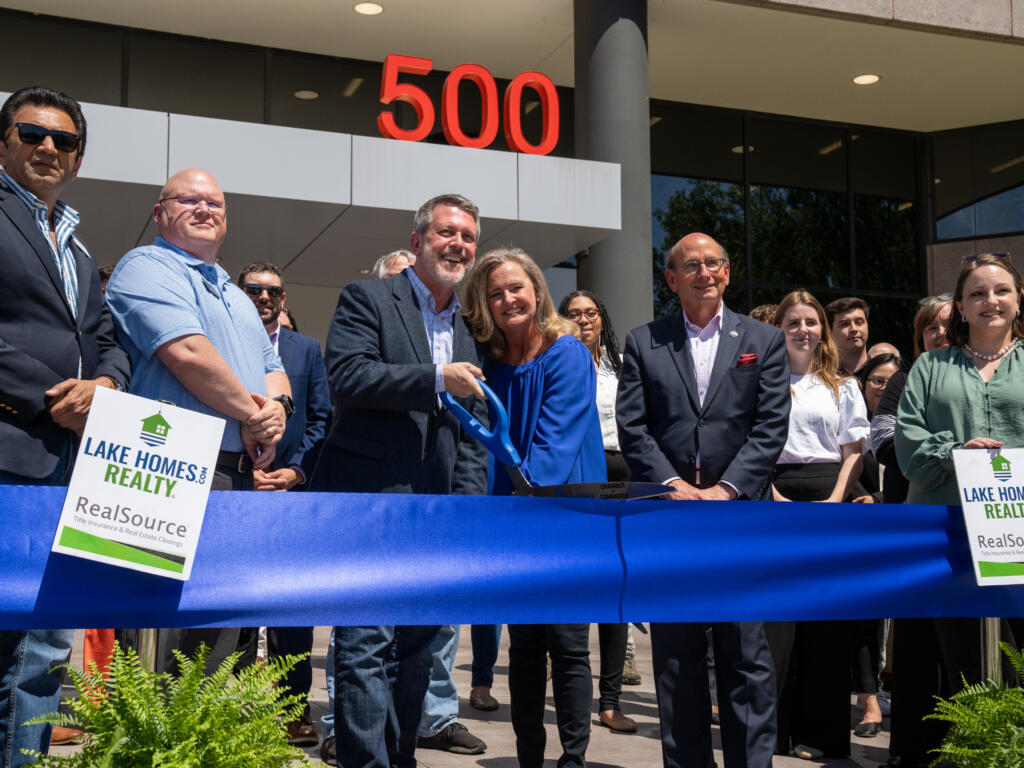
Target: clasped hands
{"type": "Point", "coordinates": [262, 430]}
{"type": "Point", "coordinates": [686, 492]}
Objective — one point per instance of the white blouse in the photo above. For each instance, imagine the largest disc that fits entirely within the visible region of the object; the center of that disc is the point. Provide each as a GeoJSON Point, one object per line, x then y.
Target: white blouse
{"type": "Point", "coordinates": [818, 426]}
{"type": "Point", "coordinates": [607, 386]}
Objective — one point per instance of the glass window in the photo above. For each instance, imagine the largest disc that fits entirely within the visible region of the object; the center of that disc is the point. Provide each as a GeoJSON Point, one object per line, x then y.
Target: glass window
{"type": "Point", "coordinates": [82, 60]}
{"type": "Point", "coordinates": [346, 93]}
{"type": "Point", "coordinates": [195, 78]}
{"type": "Point", "coordinates": [885, 233]}
{"type": "Point", "coordinates": [695, 142]}
{"type": "Point", "coordinates": [789, 153]}
{"type": "Point", "coordinates": [680, 206]}
{"type": "Point", "coordinates": [799, 237]}
{"type": "Point", "coordinates": [883, 164]}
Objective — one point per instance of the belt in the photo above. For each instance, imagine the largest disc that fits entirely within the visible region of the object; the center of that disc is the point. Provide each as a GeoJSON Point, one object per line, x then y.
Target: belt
{"type": "Point", "coordinates": [237, 462]}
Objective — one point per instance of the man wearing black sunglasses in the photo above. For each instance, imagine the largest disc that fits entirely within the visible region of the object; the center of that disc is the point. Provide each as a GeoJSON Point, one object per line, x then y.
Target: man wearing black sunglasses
{"type": "Point", "coordinates": [57, 345]}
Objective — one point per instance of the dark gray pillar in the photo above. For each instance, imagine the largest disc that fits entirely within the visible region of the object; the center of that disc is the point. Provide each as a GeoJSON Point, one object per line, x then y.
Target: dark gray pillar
{"type": "Point", "coordinates": [612, 114]}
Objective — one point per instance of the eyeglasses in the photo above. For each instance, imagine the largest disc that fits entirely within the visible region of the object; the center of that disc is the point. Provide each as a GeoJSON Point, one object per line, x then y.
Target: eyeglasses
{"type": "Point", "coordinates": [877, 381]}
{"type": "Point", "coordinates": [33, 134]}
{"type": "Point", "coordinates": [1005, 255]}
{"type": "Point", "coordinates": [576, 314]}
{"type": "Point", "coordinates": [191, 203]}
{"type": "Point", "coordinates": [713, 265]}
{"type": "Point", "coordinates": [255, 289]}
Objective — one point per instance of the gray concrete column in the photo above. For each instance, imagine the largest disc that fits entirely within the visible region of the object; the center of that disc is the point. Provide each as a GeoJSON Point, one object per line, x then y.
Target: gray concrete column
{"type": "Point", "coordinates": [612, 114]}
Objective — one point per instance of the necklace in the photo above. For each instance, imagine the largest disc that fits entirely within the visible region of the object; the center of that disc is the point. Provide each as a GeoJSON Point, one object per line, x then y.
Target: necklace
{"type": "Point", "coordinates": [996, 356]}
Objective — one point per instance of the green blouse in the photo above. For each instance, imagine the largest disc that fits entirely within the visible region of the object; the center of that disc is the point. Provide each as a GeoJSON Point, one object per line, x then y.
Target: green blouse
{"type": "Point", "coordinates": [945, 404]}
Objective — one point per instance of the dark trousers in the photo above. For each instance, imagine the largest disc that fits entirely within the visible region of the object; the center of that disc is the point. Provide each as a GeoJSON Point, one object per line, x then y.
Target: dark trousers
{"type": "Point", "coordinates": [221, 641]}
{"type": "Point", "coordinates": [612, 639]}
{"type": "Point", "coordinates": [746, 694]}
{"type": "Point", "coordinates": [929, 657]}
{"type": "Point", "coordinates": [380, 679]}
{"type": "Point", "coordinates": [485, 638]}
{"type": "Point", "coordinates": [568, 645]}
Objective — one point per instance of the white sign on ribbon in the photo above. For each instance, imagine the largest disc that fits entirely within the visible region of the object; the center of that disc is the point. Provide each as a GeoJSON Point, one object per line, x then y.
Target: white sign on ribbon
{"type": "Point", "coordinates": [140, 485]}
{"type": "Point", "coordinates": [992, 494]}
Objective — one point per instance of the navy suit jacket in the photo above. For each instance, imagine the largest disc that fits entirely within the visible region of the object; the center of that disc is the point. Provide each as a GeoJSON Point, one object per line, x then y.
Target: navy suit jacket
{"type": "Point", "coordinates": [306, 429]}
{"type": "Point", "coordinates": [740, 429]}
{"type": "Point", "coordinates": [390, 434]}
{"type": "Point", "coordinates": [41, 342]}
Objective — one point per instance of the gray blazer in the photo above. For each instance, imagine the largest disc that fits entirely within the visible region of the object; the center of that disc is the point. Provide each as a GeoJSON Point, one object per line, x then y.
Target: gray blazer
{"type": "Point", "coordinates": [390, 434]}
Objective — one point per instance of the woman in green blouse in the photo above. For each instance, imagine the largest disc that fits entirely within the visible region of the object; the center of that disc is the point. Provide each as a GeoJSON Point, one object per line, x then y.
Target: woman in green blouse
{"type": "Point", "coordinates": [971, 394]}
{"type": "Point", "coordinates": [968, 395]}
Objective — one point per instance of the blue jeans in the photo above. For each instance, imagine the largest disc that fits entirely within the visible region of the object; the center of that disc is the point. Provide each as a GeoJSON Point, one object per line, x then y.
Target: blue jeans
{"type": "Point", "coordinates": [327, 721]}
{"type": "Point", "coordinates": [28, 688]}
{"type": "Point", "coordinates": [485, 638]}
{"type": "Point", "coordinates": [380, 680]}
{"type": "Point", "coordinates": [441, 705]}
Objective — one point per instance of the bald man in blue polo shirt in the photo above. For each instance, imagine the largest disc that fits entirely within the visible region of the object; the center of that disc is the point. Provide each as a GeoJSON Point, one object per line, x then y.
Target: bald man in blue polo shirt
{"type": "Point", "coordinates": [196, 340]}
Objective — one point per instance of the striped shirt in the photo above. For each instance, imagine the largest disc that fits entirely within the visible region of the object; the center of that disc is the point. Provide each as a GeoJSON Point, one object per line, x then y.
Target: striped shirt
{"type": "Point", "coordinates": [65, 220]}
{"type": "Point", "coordinates": [440, 326]}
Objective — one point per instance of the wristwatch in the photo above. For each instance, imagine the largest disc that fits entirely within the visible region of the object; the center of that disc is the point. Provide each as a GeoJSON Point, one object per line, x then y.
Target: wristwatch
{"type": "Point", "coordinates": [288, 404]}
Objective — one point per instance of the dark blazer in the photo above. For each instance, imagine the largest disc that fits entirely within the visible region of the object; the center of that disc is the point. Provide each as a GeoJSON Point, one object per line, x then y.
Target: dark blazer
{"type": "Point", "coordinates": [41, 343]}
{"type": "Point", "coordinates": [306, 429]}
{"type": "Point", "coordinates": [742, 426]}
{"type": "Point", "coordinates": [390, 433]}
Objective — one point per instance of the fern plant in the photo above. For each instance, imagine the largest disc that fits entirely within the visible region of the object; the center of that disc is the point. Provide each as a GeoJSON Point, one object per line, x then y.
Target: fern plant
{"type": "Point", "coordinates": [986, 722]}
{"type": "Point", "coordinates": [140, 719]}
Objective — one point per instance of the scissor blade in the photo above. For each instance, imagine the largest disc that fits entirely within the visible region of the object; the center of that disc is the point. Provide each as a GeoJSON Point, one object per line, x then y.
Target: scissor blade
{"type": "Point", "coordinates": [520, 485]}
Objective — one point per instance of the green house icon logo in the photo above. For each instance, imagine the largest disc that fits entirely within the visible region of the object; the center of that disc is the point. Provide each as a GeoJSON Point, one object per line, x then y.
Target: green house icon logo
{"type": "Point", "coordinates": [1001, 467]}
{"type": "Point", "coordinates": [154, 430]}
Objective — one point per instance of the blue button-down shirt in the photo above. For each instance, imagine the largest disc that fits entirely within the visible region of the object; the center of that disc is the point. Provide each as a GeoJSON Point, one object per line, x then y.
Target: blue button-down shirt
{"type": "Point", "coordinates": [65, 221]}
{"type": "Point", "coordinates": [159, 293]}
{"type": "Point", "coordinates": [440, 326]}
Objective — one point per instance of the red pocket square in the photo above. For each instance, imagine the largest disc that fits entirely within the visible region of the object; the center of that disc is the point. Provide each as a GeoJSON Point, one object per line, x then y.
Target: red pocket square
{"type": "Point", "coordinates": [749, 359]}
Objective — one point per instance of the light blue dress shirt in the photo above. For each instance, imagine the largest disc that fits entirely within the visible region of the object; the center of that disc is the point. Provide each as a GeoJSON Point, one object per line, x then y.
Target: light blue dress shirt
{"type": "Point", "coordinates": [159, 293]}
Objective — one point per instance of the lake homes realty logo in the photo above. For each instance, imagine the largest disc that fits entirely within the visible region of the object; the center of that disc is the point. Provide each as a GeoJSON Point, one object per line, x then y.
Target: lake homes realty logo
{"type": "Point", "coordinates": [138, 495]}
{"type": "Point", "coordinates": [992, 496]}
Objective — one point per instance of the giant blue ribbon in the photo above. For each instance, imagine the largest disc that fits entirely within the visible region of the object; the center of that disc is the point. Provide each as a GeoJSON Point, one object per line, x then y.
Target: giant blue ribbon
{"type": "Point", "coordinates": [302, 559]}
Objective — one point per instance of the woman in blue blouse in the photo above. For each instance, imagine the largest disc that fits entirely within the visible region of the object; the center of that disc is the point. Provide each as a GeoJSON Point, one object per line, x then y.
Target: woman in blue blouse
{"type": "Point", "coordinates": [546, 379]}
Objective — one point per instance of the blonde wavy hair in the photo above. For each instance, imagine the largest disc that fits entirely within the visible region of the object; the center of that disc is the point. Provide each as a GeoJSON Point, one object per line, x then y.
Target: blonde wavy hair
{"type": "Point", "coordinates": [478, 313]}
{"type": "Point", "coordinates": [825, 362]}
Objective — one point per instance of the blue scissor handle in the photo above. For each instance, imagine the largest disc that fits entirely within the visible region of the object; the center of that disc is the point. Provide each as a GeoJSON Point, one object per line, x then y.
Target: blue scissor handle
{"type": "Point", "coordinates": [497, 438]}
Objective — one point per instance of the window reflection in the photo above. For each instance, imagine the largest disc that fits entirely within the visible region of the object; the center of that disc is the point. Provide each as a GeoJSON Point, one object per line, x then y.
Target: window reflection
{"type": "Point", "coordinates": [680, 206]}
{"type": "Point", "coordinates": [799, 236]}
{"type": "Point", "coordinates": [885, 232]}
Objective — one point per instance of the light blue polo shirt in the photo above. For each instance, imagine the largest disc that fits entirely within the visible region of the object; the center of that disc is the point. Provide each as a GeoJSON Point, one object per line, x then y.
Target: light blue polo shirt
{"type": "Point", "coordinates": [159, 293]}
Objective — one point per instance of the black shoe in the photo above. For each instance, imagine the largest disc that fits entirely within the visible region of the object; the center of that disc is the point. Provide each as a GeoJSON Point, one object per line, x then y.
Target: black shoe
{"type": "Point", "coordinates": [867, 730]}
{"type": "Point", "coordinates": [328, 753]}
{"type": "Point", "coordinates": [454, 738]}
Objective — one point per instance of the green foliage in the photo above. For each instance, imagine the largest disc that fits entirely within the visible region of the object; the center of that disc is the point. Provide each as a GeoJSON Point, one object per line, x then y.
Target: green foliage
{"type": "Point", "coordinates": [986, 723]}
{"type": "Point", "coordinates": [140, 719]}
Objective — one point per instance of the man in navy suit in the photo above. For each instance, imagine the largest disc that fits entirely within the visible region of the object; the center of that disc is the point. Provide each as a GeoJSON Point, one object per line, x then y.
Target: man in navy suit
{"type": "Point", "coordinates": [57, 345]}
{"type": "Point", "coordinates": [394, 344]}
{"type": "Point", "coordinates": [703, 406]}
{"type": "Point", "coordinates": [296, 453]}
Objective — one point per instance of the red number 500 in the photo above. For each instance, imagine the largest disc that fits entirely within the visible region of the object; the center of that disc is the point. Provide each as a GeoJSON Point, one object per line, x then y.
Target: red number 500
{"type": "Point", "coordinates": [392, 90]}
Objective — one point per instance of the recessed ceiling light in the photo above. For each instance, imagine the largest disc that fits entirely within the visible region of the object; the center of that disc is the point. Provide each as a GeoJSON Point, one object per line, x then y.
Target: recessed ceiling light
{"type": "Point", "coordinates": [937, 180]}
{"type": "Point", "coordinates": [655, 120]}
{"type": "Point", "coordinates": [368, 9]}
{"type": "Point", "coordinates": [738, 149]}
{"type": "Point", "coordinates": [904, 206]}
{"type": "Point", "coordinates": [364, 271]}
{"type": "Point", "coordinates": [530, 106]}
{"type": "Point", "coordinates": [866, 79]}
{"type": "Point", "coordinates": [352, 87]}
{"type": "Point", "coordinates": [306, 95]}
